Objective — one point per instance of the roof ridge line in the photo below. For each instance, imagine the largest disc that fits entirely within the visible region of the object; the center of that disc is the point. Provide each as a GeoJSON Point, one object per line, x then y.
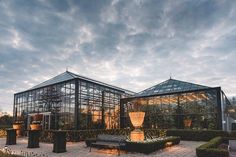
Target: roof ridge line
{"type": "Point", "coordinates": [71, 74]}
{"type": "Point", "coordinates": [99, 82]}
{"type": "Point", "coordinates": [171, 85]}
{"type": "Point", "coordinates": [48, 80]}
{"type": "Point", "coordinates": [191, 83]}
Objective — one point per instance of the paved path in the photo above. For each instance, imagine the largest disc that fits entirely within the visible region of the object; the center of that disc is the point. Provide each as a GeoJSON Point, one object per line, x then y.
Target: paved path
{"type": "Point", "coordinates": [79, 149]}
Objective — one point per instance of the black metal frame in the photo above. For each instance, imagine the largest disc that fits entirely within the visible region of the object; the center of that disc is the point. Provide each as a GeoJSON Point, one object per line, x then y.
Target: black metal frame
{"type": "Point", "coordinates": [125, 120]}
{"type": "Point", "coordinates": [101, 102]}
{"type": "Point", "coordinates": [109, 99]}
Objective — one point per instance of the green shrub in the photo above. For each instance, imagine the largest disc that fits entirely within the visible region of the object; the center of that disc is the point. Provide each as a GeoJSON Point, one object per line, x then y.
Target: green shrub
{"type": "Point", "coordinates": [150, 146]}
{"type": "Point", "coordinates": [81, 135]}
{"type": "Point", "coordinates": [189, 135]}
{"type": "Point", "coordinates": [5, 126]}
{"type": "Point", "coordinates": [196, 135]}
{"type": "Point", "coordinates": [46, 136]}
{"type": "Point", "coordinates": [210, 149]}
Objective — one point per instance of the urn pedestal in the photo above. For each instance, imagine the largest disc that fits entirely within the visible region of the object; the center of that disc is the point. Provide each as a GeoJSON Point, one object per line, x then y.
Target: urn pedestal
{"type": "Point", "coordinates": [33, 139]}
{"type": "Point", "coordinates": [59, 141]}
{"type": "Point", "coordinates": [11, 137]}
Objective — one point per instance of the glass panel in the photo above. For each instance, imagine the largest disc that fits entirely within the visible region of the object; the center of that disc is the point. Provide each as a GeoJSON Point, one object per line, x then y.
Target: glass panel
{"type": "Point", "coordinates": [196, 110]}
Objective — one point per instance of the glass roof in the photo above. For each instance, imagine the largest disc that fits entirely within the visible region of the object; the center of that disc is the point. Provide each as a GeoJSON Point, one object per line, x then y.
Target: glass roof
{"type": "Point", "coordinates": [69, 76]}
{"type": "Point", "coordinates": [170, 86]}
{"type": "Point", "coordinates": [59, 78]}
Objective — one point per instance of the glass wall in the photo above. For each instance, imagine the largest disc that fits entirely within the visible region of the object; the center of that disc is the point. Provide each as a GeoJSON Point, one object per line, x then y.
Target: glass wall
{"type": "Point", "coordinates": [195, 110]}
{"type": "Point", "coordinates": [226, 115]}
{"type": "Point", "coordinates": [99, 106]}
{"type": "Point", "coordinates": [95, 106]}
{"type": "Point", "coordinates": [48, 99]}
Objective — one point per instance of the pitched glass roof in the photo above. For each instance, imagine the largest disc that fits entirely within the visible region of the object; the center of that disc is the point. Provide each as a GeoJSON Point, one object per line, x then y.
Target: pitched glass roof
{"type": "Point", "coordinates": [59, 78]}
{"type": "Point", "coordinates": [170, 86]}
{"type": "Point", "coordinates": [69, 76]}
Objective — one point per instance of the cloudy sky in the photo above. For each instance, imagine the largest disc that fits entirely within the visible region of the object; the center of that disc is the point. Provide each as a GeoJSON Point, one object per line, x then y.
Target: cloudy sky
{"type": "Point", "coordinates": [130, 44]}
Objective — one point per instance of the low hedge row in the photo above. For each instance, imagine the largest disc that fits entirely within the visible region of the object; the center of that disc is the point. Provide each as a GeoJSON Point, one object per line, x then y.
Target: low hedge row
{"type": "Point", "coordinates": [5, 126]}
{"type": "Point", "coordinates": [197, 135]}
{"type": "Point", "coordinates": [81, 135]}
{"type": "Point", "coordinates": [210, 149]}
{"type": "Point", "coordinates": [188, 135]}
{"type": "Point", "coordinates": [150, 146]}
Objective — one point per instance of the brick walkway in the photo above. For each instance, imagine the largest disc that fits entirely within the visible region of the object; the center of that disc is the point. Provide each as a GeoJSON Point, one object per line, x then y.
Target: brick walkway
{"type": "Point", "coordinates": [184, 149]}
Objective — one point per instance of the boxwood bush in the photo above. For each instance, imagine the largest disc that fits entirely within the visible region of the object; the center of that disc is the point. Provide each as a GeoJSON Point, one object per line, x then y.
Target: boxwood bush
{"type": "Point", "coordinates": [210, 149]}
{"type": "Point", "coordinates": [150, 146]}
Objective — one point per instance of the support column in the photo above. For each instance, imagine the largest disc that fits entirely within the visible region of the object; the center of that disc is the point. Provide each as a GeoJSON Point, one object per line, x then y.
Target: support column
{"type": "Point", "coordinates": [103, 118]}
{"type": "Point", "coordinates": [122, 125]}
{"type": "Point", "coordinates": [219, 109]}
{"type": "Point", "coordinates": [77, 125]}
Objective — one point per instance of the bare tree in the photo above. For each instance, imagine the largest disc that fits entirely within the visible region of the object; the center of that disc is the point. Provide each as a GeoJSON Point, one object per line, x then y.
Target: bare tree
{"type": "Point", "coordinates": [51, 102]}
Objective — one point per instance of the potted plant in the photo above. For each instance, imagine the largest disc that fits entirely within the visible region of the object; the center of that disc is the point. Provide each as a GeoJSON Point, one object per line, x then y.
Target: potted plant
{"type": "Point", "coordinates": [18, 125]}
{"type": "Point", "coordinates": [187, 122]}
{"type": "Point", "coordinates": [36, 125]}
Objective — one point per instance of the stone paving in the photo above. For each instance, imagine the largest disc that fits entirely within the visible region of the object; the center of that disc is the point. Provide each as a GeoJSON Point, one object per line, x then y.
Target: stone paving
{"type": "Point", "coordinates": [79, 149]}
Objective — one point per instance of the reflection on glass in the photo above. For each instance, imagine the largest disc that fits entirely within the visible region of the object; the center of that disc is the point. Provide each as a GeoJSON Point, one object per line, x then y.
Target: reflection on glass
{"type": "Point", "coordinates": [196, 110]}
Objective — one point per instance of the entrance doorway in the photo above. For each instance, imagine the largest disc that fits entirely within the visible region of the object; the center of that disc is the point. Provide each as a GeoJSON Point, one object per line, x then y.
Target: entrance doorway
{"type": "Point", "coordinates": [46, 121]}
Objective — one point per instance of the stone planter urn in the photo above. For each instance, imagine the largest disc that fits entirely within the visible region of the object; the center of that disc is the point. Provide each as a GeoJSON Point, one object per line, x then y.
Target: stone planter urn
{"type": "Point", "coordinates": [19, 128]}
{"type": "Point", "coordinates": [137, 119]}
{"type": "Point", "coordinates": [35, 127]}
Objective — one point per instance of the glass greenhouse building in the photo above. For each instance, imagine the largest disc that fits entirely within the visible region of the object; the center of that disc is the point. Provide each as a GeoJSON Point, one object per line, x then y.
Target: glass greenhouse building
{"type": "Point", "coordinates": [175, 104]}
{"type": "Point", "coordinates": [77, 101]}
{"type": "Point", "coordinates": [71, 101]}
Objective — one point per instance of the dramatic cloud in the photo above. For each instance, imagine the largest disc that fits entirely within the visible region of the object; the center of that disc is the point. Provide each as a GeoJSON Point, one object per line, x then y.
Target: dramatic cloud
{"type": "Point", "coordinates": [130, 44]}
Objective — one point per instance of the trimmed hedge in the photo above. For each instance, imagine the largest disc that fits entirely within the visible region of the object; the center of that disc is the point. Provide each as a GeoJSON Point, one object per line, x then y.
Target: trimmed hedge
{"type": "Point", "coordinates": [188, 135]}
{"type": "Point", "coordinates": [150, 146]}
{"type": "Point", "coordinates": [81, 135]}
{"type": "Point", "coordinates": [5, 126]}
{"type": "Point", "coordinates": [197, 135]}
{"type": "Point", "coordinates": [210, 149]}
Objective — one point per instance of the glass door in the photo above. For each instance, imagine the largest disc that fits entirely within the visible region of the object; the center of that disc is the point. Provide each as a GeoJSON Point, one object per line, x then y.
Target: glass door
{"type": "Point", "coordinates": [46, 122]}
